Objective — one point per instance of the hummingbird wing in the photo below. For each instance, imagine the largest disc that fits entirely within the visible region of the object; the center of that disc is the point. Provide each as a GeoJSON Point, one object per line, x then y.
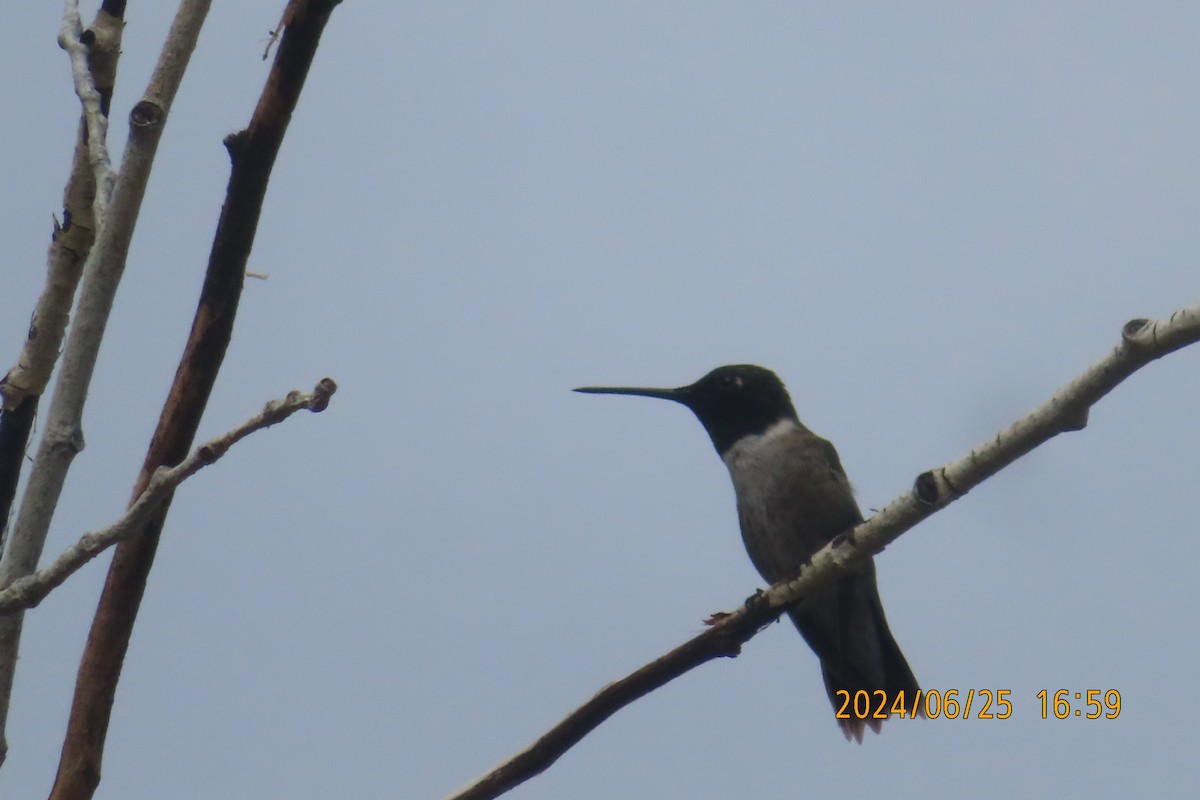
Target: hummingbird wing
{"type": "Point", "coordinates": [845, 626]}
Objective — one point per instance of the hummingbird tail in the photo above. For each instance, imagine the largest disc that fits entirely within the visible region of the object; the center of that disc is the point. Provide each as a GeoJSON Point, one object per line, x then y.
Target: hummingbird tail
{"type": "Point", "coordinates": [866, 676]}
{"type": "Point", "coordinates": [862, 702]}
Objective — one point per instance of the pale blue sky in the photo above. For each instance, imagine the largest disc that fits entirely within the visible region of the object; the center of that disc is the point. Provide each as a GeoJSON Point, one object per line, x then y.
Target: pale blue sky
{"type": "Point", "coordinates": [924, 216]}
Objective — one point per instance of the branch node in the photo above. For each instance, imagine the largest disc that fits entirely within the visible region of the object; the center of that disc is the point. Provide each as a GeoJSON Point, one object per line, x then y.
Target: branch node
{"type": "Point", "coordinates": [845, 538]}
{"type": "Point", "coordinates": [146, 114]}
{"type": "Point", "coordinates": [1133, 328]}
{"type": "Point", "coordinates": [160, 476]}
{"type": "Point", "coordinates": [756, 601]}
{"type": "Point", "coordinates": [925, 488]}
{"type": "Point", "coordinates": [1074, 420]}
{"type": "Point", "coordinates": [235, 142]}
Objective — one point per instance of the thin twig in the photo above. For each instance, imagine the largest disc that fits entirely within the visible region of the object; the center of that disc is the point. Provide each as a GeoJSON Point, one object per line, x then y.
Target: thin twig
{"type": "Point", "coordinates": [31, 590]}
{"type": "Point", "coordinates": [70, 39]}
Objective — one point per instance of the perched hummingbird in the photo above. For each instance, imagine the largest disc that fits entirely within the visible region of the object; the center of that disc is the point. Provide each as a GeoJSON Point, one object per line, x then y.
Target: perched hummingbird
{"type": "Point", "coordinates": [793, 497]}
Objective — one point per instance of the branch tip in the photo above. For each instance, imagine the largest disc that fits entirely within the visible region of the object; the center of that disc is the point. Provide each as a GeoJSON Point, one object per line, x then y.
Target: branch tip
{"type": "Point", "coordinates": [28, 591]}
{"type": "Point", "coordinates": [321, 394]}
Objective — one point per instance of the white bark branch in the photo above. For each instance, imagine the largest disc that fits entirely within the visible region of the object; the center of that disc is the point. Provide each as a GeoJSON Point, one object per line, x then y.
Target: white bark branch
{"type": "Point", "coordinates": [69, 39]}
{"type": "Point", "coordinates": [63, 437]}
{"type": "Point", "coordinates": [27, 592]}
{"type": "Point", "coordinates": [1142, 341]}
{"type": "Point", "coordinates": [85, 201]}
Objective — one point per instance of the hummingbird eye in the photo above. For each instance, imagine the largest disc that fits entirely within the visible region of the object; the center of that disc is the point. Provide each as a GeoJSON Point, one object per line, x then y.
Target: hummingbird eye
{"type": "Point", "coordinates": [731, 382]}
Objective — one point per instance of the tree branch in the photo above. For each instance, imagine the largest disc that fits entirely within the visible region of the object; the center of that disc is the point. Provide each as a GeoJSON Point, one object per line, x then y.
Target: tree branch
{"type": "Point", "coordinates": [95, 106]}
{"type": "Point", "coordinates": [63, 437]}
{"type": "Point", "coordinates": [253, 152]}
{"type": "Point", "coordinates": [27, 592]}
{"type": "Point", "coordinates": [70, 244]}
{"type": "Point", "coordinates": [1142, 341]}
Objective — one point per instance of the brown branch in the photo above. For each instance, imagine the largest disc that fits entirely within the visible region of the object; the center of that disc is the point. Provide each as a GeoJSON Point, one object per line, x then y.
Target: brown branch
{"type": "Point", "coordinates": [253, 153]}
{"type": "Point", "coordinates": [1142, 341]}
{"type": "Point", "coordinates": [723, 640]}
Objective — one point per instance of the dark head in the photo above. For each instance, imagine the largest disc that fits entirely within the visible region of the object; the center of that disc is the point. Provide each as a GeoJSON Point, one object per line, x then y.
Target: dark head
{"type": "Point", "coordinates": [731, 402]}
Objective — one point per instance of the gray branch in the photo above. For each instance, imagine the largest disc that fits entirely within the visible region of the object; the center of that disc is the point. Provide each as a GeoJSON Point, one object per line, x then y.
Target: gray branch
{"type": "Point", "coordinates": [85, 201]}
{"type": "Point", "coordinates": [69, 39]}
{"type": "Point", "coordinates": [27, 592]}
{"type": "Point", "coordinates": [63, 437]}
{"type": "Point", "coordinates": [1142, 341]}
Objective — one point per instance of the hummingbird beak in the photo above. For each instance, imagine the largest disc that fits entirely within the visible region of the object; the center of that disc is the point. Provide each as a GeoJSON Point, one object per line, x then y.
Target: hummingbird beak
{"type": "Point", "coordinates": [678, 395]}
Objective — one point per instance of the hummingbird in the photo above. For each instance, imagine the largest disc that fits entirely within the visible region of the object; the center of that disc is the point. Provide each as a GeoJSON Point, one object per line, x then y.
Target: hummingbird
{"type": "Point", "coordinates": [793, 498]}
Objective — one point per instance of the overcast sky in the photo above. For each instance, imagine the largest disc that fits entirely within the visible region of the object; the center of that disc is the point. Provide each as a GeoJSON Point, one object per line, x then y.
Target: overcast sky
{"type": "Point", "coordinates": [924, 216]}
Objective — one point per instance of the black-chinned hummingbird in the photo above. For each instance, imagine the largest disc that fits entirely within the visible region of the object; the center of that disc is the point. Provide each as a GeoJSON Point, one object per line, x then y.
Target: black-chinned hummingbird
{"type": "Point", "coordinates": [793, 497]}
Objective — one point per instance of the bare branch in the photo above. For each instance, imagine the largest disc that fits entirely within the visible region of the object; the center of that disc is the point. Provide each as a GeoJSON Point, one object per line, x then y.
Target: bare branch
{"type": "Point", "coordinates": [70, 244]}
{"type": "Point", "coordinates": [94, 70]}
{"type": "Point", "coordinates": [70, 38]}
{"type": "Point", "coordinates": [253, 152]}
{"type": "Point", "coordinates": [102, 273]}
{"type": "Point", "coordinates": [1142, 341]}
{"type": "Point", "coordinates": [27, 592]}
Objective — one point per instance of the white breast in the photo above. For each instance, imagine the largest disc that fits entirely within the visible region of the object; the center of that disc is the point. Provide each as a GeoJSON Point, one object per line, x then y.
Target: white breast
{"type": "Point", "coordinates": [754, 452]}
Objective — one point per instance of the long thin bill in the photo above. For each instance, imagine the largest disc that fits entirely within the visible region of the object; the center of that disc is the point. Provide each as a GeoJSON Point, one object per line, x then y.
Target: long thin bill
{"type": "Point", "coordinates": [665, 394]}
